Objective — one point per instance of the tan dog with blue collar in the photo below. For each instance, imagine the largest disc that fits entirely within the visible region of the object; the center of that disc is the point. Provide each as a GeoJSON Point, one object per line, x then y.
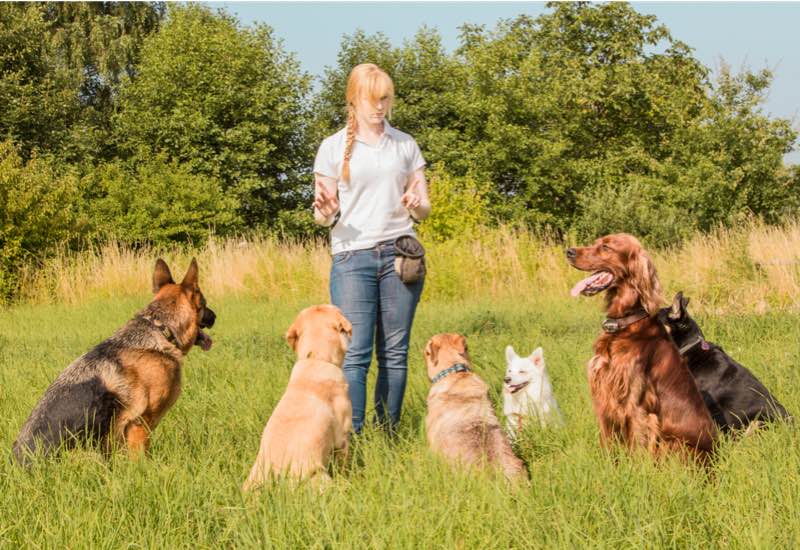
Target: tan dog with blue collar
{"type": "Point", "coordinates": [461, 422]}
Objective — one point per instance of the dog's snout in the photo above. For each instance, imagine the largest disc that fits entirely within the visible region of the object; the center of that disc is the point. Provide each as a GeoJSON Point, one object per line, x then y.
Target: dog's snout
{"type": "Point", "coordinates": [571, 253]}
{"type": "Point", "coordinates": [507, 379]}
{"type": "Point", "coordinates": [208, 318]}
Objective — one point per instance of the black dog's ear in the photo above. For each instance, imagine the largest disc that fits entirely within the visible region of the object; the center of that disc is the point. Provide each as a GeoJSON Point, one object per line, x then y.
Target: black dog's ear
{"type": "Point", "coordinates": [677, 307]}
{"type": "Point", "coordinates": [684, 304]}
{"type": "Point", "coordinates": [161, 276]}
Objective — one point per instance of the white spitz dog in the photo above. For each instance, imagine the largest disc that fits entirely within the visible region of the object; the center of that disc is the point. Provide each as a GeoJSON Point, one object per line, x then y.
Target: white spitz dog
{"type": "Point", "coordinates": [527, 393]}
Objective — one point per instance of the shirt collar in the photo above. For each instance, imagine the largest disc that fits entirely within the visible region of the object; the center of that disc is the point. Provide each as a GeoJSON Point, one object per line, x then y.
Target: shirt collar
{"type": "Point", "coordinates": [388, 132]}
{"type": "Point", "coordinates": [388, 129]}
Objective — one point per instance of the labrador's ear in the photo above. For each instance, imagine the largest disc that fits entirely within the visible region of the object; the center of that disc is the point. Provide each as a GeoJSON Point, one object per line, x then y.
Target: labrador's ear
{"type": "Point", "coordinates": [510, 354]}
{"type": "Point", "coordinates": [463, 341]}
{"type": "Point", "coordinates": [291, 336]}
{"type": "Point", "coordinates": [161, 276]}
{"type": "Point", "coordinates": [345, 332]}
{"type": "Point", "coordinates": [345, 327]}
{"type": "Point", "coordinates": [432, 350]}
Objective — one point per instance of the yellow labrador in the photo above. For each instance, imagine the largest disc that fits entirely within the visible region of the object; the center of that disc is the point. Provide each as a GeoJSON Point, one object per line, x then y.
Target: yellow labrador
{"type": "Point", "coordinates": [461, 422]}
{"type": "Point", "coordinates": [313, 418]}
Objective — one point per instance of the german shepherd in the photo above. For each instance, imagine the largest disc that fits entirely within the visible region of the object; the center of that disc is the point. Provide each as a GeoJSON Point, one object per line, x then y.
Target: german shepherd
{"type": "Point", "coordinates": [117, 392]}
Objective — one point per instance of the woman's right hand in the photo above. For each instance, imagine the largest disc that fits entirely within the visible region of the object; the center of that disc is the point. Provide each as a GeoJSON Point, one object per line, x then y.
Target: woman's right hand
{"type": "Point", "coordinates": [325, 202]}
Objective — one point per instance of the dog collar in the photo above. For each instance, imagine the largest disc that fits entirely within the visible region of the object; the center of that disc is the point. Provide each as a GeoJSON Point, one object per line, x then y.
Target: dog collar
{"type": "Point", "coordinates": [458, 367]}
{"type": "Point", "coordinates": [616, 324]}
{"type": "Point", "coordinates": [693, 343]}
{"type": "Point", "coordinates": [163, 329]}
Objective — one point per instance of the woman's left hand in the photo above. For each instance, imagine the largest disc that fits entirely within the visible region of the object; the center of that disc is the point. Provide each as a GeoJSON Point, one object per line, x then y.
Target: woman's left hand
{"type": "Point", "coordinates": [410, 200]}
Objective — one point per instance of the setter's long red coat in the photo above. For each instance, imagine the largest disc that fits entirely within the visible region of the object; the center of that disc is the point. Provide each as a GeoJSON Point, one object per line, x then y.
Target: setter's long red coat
{"type": "Point", "coordinates": [643, 393]}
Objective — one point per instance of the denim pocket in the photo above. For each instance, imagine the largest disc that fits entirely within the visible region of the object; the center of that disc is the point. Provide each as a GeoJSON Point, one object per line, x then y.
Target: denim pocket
{"type": "Point", "coordinates": [342, 257]}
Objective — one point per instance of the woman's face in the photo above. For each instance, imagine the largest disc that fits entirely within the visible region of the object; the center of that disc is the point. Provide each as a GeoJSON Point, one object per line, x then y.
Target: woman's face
{"type": "Point", "coordinates": [370, 111]}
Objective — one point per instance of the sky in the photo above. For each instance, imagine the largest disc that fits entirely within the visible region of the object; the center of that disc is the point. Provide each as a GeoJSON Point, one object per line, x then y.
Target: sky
{"type": "Point", "coordinates": [752, 35]}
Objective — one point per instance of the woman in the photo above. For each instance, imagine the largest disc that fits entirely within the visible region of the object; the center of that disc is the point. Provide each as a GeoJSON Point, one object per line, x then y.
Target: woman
{"type": "Point", "coordinates": [369, 187]}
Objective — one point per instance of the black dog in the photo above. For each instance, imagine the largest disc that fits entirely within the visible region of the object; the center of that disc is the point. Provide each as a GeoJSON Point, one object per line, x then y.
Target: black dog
{"type": "Point", "coordinates": [732, 394]}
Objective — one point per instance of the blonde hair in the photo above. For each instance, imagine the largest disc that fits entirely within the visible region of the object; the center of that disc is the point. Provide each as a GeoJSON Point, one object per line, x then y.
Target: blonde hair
{"type": "Point", "coordinates": [365, 80]}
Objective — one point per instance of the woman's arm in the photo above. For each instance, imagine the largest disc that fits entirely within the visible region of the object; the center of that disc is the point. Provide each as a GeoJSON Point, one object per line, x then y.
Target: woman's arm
{"type": "Point", "coordinates": [326, 203]}
{"type": "Point", "coordinates": [416, 198]}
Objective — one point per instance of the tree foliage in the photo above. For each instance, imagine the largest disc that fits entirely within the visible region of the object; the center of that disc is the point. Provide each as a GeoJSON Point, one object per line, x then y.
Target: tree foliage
{"type": "Point", "coordinates": [225, 101]}
{"type": "Point", "coordinates": [60, 68]}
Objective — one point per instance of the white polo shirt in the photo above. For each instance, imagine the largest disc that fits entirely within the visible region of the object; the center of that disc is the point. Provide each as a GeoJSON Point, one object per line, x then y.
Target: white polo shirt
{"type": "Point", "coordinates": [370, 206]}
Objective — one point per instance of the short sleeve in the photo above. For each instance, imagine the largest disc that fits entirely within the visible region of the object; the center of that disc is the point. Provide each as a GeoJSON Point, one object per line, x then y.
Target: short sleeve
{"type": "Point", "coordinates": [416, 161]}
{"type": "Point", "coordinates": [326, 163]}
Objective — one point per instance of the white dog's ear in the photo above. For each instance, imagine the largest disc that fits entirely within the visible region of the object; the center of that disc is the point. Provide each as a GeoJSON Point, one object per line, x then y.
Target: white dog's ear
{"type": "Point", "coordinates": [510, 354]}
{"type": "Point", "coordinates": [538, 357]}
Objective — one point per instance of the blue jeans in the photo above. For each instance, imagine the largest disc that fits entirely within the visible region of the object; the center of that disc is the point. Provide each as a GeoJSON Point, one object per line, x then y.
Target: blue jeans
{"type": "Point", "coordinates": [365, 286]}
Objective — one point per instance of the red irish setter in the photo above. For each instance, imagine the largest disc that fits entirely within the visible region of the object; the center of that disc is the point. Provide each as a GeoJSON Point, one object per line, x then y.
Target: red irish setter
{"type": "Point", "coordinates": [642, 391]}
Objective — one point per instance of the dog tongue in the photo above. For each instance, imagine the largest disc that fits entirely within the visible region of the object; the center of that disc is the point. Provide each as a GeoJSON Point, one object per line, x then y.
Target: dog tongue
{"type": "Point", "coordinates": [203, 340]}
{"type": "Point", "coordinates": [596, 279]}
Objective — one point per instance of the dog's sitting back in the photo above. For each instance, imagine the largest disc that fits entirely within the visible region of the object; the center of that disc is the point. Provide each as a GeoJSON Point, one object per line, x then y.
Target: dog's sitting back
{"type": "Point", "coordinates": [734, 397]}
{"type": "Point", "coordinates": [312, 420]}
{"type": "Point", "coordinates": [527, 393]}
{"type": "Point", "coordinates": [461, 423]}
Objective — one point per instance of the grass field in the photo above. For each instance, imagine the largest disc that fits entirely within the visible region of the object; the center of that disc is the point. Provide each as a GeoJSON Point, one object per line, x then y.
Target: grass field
{"type": "Point", "coordinates": [394, 494]}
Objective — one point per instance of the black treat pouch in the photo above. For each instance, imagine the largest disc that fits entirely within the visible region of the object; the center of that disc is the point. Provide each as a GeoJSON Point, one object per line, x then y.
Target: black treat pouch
{"type": "Point", "coordinates": [409, 261]}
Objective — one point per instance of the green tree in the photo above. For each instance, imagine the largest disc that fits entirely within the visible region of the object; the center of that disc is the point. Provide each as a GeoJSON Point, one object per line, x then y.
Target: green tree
{"type": "Point", "coordinates": [225, 101]}
{"type": "Point", "coordinates": [461, 206]}
{"type": "Point", "coordinates": [38, 98]}
{"type": "Point", "coordinates": [591, 103]}
{"type": "Point", "coordinates": [60, 66]}
{"type": "Point", "coordinates": [99, 42]}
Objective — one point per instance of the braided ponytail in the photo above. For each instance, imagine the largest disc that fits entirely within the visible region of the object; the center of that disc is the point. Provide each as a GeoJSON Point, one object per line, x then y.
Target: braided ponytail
{"type": "Point", "coordinates": [351, 138]}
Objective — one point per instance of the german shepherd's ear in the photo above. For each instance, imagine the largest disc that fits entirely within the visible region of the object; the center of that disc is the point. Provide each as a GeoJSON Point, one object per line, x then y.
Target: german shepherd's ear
{"type": "Point", "coordinates": [190, 280]}
{"type": "Point", "coordinates": [678, 307]}
{"type": "Point", "coordinates": [161, 276]}
{"type": "Point", "coordinates": [291, 337]}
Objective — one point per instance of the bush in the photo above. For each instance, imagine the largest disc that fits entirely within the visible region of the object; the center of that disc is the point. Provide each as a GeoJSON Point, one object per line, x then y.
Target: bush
{"type": "Point", "coordinates": [39, 210]}
{"type": "Point", "coordinates": [458, 206]}
{"type": "Point", "coordinates": [160, 202]}
{"type": "Point", "coordinates": [641, 207]}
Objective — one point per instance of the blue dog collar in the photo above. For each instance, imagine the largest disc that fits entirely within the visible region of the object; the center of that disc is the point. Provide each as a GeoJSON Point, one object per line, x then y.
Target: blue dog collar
{"type": "Point", "coordinates": [458, 367]}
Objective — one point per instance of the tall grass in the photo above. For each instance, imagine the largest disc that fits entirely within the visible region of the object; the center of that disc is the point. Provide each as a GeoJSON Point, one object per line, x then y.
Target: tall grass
{"type": "Point", "coordinates": [393, 493]}
{"type": "Point", "coordinates": [751, 268]}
